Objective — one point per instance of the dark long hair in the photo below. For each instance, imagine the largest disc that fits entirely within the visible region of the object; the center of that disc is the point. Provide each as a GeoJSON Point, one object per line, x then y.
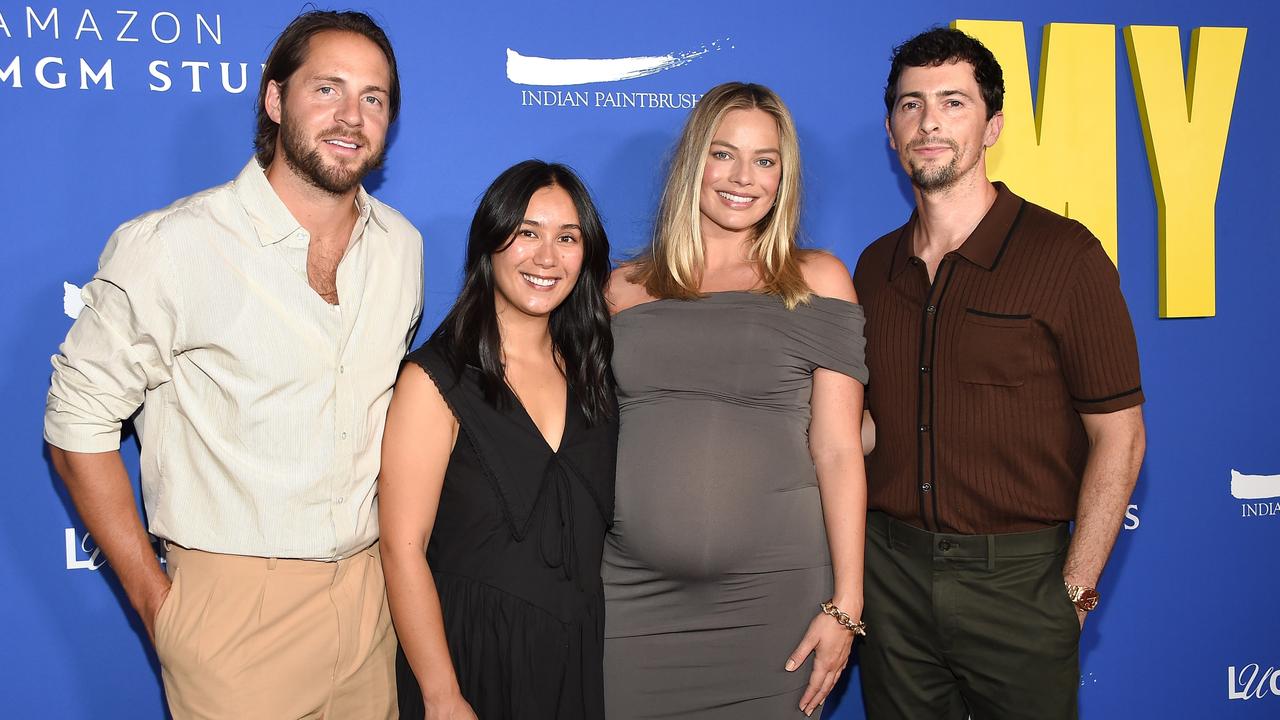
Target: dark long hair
{"type": "Point", "coordinates": [290, 53]}
{"type": "Point", "coordinates": [579, 326]}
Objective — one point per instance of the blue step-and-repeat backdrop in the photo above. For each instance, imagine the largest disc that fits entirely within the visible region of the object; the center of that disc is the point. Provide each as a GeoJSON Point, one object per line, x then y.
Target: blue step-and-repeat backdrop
{"type": "Point", "coordinates": [108, 110]}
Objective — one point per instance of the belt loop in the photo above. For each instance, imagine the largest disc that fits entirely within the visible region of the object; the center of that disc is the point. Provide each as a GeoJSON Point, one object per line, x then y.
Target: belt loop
{"type": "Point", "coordinates": [991, 553]}
{"type": "Point", "coordinates": [271, 563]}
{"type": "Point", "coordinates": [888, 529]}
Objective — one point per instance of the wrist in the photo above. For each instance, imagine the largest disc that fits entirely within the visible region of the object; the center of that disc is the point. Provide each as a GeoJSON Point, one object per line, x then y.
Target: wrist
{"type": "Point", "coordinates": [850, 602]}
{"type": "Point", "coordinates": [1084, 597]}
{"type": "Point", "coordinates": [440, 691]}
{"type": "Point", "coordinates": [844, 618]}
{"type": "Point", "coordinates": [148, 590]}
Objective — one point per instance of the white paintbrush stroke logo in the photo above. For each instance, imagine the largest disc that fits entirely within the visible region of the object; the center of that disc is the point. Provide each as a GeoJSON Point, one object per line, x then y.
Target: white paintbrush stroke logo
{"type": "Point", "coordinates": [533, 70]}
{"type": "Point", "coordinates": [1254, 487]}
{"type": "Point", "coordinates": [72, 303]}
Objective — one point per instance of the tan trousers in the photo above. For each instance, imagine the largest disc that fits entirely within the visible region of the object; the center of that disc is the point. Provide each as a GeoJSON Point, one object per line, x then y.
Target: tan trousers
{"type": "Point", "coordinates": [241, 638]}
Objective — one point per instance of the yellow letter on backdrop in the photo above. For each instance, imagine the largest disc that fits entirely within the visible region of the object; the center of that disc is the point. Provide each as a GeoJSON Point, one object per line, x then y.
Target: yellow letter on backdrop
{"type": "Point", "coordinates": [1062, 155]}
{"type": "Point", "coordinates": [1186, 133]}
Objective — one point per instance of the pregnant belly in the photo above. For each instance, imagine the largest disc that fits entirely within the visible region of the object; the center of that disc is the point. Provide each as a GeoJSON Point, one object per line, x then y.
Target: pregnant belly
{"type": "Point", "coordinates": [709, 491]}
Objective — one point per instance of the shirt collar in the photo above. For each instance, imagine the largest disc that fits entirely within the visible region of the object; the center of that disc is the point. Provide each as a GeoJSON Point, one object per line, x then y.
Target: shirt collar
{"type": "Point", "coordinates": [984, 246]}
{"type": "Point", "coordinates": [271, 218]}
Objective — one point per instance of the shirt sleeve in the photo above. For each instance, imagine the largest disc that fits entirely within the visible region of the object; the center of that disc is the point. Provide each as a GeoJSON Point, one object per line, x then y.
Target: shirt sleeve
{"type": "Point", "coordinates": [1096, 340]}
{"type": "Point", "coordinates": [120, 346]}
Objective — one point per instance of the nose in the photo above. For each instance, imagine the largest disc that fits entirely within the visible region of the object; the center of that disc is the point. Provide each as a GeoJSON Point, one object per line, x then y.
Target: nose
{"type": "Point", "coordinates": [544, 255]}
{"type": "Point", "coordinates": [929, 121]}
{"type": "Point", "coordinates": [740, 173]}
{"type": "Point", "coordinates": [348, 112]}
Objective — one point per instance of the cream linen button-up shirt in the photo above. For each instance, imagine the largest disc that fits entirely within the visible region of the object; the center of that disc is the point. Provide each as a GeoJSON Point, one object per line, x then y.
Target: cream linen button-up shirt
{"type": "Point", "coordinates": [263, 406]}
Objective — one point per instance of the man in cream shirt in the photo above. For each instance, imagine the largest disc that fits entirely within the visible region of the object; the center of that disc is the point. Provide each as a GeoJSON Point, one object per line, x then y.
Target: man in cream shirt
{"type": "Point", "coordinates": [259, 325]}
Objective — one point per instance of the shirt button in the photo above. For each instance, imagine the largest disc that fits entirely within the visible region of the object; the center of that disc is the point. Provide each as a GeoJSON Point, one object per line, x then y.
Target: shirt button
{"type": "Point", "coordinates": [342, 369]}
{"type": "Point", "coordinates": [926, 487]}
{"type": "Point", "coordinates": [343, 435]}
{"type": "Point", "coordinates": [341, 500]}
{"type": "Point", "coordinates": [944, 545]}
{"type": "Point", "coordinates": [931, 309]}
{"type": "Point", "coordinates": [924, 428]}
{"type": "Point", "coordinates": [924, 368]}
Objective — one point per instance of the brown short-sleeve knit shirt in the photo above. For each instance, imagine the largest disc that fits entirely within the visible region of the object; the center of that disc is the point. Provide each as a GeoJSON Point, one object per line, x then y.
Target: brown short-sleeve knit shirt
{"type": "Point", "coordinates": [978, 379]}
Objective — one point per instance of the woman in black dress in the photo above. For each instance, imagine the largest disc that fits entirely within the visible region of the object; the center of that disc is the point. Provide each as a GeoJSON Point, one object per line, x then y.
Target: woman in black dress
{"type": "Point", "coordinates": [497, 468]}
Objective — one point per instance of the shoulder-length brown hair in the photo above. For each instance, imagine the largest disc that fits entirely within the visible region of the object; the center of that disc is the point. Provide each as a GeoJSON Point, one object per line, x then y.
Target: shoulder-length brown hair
{"type": "Point", "coordinates": [672, 266]}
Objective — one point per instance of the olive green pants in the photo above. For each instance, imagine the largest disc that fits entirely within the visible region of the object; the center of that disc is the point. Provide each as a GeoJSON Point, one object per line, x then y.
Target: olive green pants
{"type": "Point", "coordinates": [968, 625]}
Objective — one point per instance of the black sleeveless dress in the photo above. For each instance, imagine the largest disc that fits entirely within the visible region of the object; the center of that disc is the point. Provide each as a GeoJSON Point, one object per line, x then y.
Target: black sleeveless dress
{"type": "Point", "coordinates": [515, 553]}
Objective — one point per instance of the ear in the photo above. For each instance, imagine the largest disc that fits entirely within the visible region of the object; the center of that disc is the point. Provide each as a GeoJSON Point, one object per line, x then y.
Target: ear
{"type": "Point", "coordinates": [994, 126]}
{"type": "Point", "coordinates": [889, 131]}
{"type": "Point", "coordinates": [273, 100]}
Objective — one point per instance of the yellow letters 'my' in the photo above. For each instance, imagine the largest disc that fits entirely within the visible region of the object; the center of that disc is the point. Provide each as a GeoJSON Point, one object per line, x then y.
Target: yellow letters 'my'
{"type": "Point", "coordinates": [1186, 133]}
{"type": "Point", "coordinates": [1062, 155]}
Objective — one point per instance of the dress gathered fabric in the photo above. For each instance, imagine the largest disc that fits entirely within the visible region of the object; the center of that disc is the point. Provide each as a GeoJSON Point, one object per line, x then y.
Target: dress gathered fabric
{"type": "Point", "coordinates": [515, 552]}
{"type": "Point", "coordinates": [717, 559]}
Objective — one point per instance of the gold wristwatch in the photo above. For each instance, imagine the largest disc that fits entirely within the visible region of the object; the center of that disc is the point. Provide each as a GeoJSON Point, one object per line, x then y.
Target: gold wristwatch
{"type": "Point", "coordinates": [1082, 596]}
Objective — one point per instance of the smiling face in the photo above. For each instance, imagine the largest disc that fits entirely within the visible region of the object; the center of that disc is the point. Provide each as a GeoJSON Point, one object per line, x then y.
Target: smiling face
{"type": "Point", "coordinates": [333, 113]}
{"type": "Point", "coordinates": [538, 269]}
{"type": "Point", "coordinates": [743, 169]}
{"type": "Point", "coordinates": [939, 126]}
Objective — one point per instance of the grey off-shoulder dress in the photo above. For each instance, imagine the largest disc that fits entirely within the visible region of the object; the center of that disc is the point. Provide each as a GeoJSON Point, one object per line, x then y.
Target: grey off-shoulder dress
{"type": "Point", "coordinates": [717, 558]}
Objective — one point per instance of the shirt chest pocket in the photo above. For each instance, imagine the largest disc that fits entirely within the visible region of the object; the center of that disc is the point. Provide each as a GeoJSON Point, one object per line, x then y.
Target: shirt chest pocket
{"type": "Point", "coordinates": [994, 348]}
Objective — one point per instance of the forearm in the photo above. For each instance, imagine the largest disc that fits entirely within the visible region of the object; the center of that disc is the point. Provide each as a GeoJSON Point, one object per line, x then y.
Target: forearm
{"type": "Point", "coordinates": [419, 621]}
{"type": "Point", "coordinates": [103, 495]}
{"type": "Point", "coordinates": [1109, 478]}
{"type": "Point", "coordinates": [842, 484]}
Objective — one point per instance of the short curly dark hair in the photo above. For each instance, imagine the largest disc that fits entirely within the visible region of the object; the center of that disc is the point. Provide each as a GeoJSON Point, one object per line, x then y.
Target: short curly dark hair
{"type": "Point", "coordinates": [938, 45]}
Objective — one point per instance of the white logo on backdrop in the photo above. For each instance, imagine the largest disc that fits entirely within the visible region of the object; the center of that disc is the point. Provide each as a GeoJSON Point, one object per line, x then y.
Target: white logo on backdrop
{"type": "Point", "coordinates": [1251, 682]}
{"type": "Point", "coordinates": [1131, 519]}
{"type": "Point", "coordinates": [84, 554]}
{"type": "Point", "coordinates": [533, 70]}
{"type": "Point", "coordinates": [166, 30]}
{"type": "Point", "coordinates": [1261, 489]}
{"type": "Point", "coordinates": [72, 303]}
{"type": "Point", "coordinates": [93, 559]}
{"type": "Point", "coordinates": [543, 72]}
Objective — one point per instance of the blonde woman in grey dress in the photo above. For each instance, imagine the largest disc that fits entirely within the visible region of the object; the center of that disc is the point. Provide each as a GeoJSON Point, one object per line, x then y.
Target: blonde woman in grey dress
{"type": "Point", "coordinates": [741, 496]}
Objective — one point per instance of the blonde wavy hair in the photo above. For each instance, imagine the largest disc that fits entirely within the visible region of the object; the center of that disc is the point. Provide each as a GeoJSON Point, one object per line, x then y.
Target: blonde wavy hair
{"type": "Point", "coordinates": [672, 265]}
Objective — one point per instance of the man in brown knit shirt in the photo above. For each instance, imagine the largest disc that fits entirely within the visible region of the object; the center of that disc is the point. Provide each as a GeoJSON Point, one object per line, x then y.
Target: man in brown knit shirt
{"type": "Point", "coordinates": [1007, 401]}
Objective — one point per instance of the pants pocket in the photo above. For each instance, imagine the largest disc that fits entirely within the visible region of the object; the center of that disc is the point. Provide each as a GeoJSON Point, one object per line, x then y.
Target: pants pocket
{"type": "Point", "coordinates": [164, 616]}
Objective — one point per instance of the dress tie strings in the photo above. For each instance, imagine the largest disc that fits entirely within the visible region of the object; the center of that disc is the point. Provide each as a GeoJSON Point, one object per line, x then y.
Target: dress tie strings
{"type": "Point", "coordinates": [557, 538]}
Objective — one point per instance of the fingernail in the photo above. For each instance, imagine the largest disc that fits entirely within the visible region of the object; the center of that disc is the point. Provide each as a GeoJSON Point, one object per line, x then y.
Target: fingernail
{"type": "Point", "coordinates": [791, 665]}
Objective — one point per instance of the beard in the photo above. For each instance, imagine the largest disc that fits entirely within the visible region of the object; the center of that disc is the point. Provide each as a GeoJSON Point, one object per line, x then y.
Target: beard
{"type": "Point", "coordinates": [933, 179]}
{"type": "Point", "coordinates": [310, 165]}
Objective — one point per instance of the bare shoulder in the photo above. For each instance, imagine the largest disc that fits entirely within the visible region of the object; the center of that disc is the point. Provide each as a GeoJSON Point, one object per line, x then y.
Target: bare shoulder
{"type": "Point", "coordinates": [621, 293]}
{"type": "Point", "coordinates": [417, 400]}
{"type": "Point", "coordinates": [827, 276]}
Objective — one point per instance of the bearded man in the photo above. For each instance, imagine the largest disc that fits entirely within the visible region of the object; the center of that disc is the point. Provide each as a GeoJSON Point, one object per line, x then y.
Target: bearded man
{"type": "Point", "coordinates": [259, 326]}
{"type": "Point", "coordinates": [1007, 402]}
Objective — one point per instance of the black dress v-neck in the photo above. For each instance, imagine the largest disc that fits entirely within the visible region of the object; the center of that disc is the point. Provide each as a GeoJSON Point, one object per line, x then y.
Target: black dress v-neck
{"type": "Point", "coordinates": [515, 554]}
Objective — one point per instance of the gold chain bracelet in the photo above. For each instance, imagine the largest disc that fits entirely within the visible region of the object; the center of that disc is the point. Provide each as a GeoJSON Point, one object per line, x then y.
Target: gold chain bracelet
{"type": "Point", "coordinates": [856, 627]}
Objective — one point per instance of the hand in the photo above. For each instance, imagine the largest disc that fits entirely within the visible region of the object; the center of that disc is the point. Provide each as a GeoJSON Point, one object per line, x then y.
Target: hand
{"type": "Point", "coordinates": [831, 643]}
{"type": "Point", "coordinates": [452, 707]}
{"type": "Point", "coordinates": [150, 606]}
{"type": "Point", "coordinates": [1082, 614]}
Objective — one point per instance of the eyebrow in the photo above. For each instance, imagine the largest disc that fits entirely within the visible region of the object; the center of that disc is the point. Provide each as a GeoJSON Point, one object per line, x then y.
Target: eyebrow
{"type": "Point", "coordinates": [938, 93]}
{"type": "Point", "coordinates": [731, 146]}
{"type": "Point", "coordinates": [342, 81]}
{"type": "Point", "coordinates": [566, 226]}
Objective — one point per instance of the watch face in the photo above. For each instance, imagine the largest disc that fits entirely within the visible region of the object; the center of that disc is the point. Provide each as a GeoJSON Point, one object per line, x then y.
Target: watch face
{"type": "Point", "coordinates": [1088, 599]}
